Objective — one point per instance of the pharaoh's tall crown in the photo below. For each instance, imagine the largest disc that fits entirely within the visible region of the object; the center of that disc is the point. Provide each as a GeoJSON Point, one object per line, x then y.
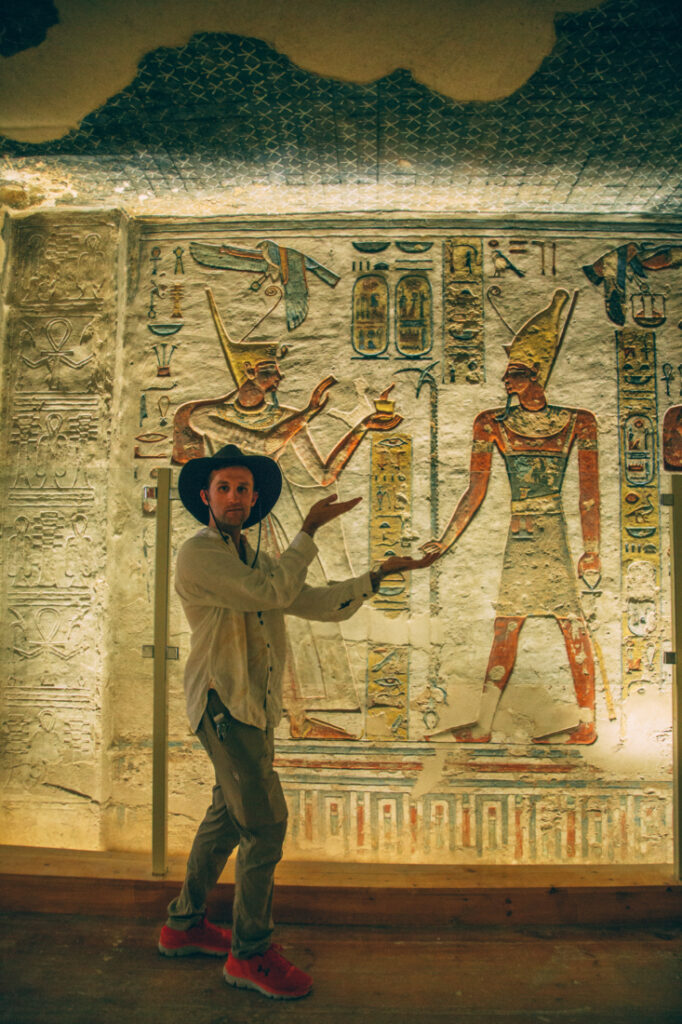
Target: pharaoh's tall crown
{"type": "Point", "coordinates": [536, 343]}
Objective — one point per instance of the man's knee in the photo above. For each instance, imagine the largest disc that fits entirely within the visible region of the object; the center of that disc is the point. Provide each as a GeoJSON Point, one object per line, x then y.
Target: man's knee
{"type": "Point", "coordinates": [264, 843]}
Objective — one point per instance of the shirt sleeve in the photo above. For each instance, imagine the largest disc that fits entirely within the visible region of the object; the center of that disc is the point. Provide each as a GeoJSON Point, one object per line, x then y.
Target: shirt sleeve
{"type": "Point", "coordinates": [210, 573]}
{"type": "Point", "coordinates": [333, 603]}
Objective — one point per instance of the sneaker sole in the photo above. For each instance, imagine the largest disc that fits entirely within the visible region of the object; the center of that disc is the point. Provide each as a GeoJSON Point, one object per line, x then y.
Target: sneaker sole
{"type": "Point", "coordinates": [190, 950]}
{"type": "Point", "coordinates": [246, 983]}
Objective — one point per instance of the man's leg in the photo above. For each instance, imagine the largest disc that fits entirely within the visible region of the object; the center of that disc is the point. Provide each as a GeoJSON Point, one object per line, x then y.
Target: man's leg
{"type": "Point", "coordinates": [253, 794]}
{"type": "Point", "coordinates": [500, 666]}
{"type": "Point", "coordinates": [186, 930]}
{"type": "Point", "coordinates": [215, 840]}
{"type": "Point", "coordinates": [581, 659]}
{"type": "Point", "coordinates": [243, 759]}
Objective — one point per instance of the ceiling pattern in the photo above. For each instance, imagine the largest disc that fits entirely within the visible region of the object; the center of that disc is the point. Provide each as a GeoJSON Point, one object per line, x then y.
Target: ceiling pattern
{"type": "Point", "coordinates": [597, 129]}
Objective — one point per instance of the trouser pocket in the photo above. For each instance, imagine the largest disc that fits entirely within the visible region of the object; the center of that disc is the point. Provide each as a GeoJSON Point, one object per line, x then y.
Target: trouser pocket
{"type": "Point", "coordinates": [244, 769]}
{"type": "Point", "coordinates": [219, 715]}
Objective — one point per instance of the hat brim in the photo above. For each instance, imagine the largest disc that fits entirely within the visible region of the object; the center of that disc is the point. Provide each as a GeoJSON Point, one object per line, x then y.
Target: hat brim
{"type": "Point", "coordinates": [267, 482]}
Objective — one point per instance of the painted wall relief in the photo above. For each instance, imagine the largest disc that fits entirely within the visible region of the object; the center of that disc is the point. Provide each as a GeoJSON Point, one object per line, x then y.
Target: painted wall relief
{"type": "Point", "coordinates": [518, 663]}
{"type": "Point", "coordinates": [318, 673]}
{"type": "Point", "coordinates": [535, 439]}
{"type": "Point", "coordinates": [495, 393]}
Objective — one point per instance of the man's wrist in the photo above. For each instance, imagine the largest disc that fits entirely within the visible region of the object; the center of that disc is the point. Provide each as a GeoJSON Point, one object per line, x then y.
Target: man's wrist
{"type": "Point", "coordinates": [375, 578]}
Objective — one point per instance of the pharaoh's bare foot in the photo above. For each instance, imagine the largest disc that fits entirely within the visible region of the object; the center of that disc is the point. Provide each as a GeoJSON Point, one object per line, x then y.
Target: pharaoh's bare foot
{"type": "Point", "coordinates": [584, 733]}
{"type": "Point", "coordinates": [303, 728]}
{"type": "Point", "coordinates": [470, 735]}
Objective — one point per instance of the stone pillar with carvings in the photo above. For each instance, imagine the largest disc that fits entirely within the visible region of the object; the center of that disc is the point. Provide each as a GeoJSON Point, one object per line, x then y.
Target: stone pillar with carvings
{"type": "Point", "coordinates": [60, 329]}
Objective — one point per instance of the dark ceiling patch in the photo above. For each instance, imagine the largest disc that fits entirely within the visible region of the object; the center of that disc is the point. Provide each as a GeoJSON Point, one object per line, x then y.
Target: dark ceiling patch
{"type": "Point", "coordinates": [596, 128]}
{"type": "Point", "coordinates": [24, 23]}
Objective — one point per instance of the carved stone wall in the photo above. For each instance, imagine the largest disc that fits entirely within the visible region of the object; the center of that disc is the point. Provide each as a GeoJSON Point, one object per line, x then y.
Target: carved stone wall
{"type": "Point", "coordinates": [508, 705]}
{"type": "Point", "coordinates": [58, 369]}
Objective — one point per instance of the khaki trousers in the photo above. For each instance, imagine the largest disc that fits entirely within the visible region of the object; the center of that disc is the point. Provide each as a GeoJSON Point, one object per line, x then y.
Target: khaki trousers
{"type": "Point", "coordinates": [248, 811]}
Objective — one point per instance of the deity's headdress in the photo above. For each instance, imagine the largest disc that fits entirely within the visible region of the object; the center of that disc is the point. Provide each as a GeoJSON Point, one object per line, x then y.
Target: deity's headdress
{"type": "Point", "coordinates": [240, 353]}
{"type": "Point", "coordinates": [536, 344]}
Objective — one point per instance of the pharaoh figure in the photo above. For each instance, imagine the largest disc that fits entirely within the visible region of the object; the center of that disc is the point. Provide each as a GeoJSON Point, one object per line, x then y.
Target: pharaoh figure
{"type": "Point", "coordinates": [251, 417]}
{"type": "Point", "coordinates": [538, 578]}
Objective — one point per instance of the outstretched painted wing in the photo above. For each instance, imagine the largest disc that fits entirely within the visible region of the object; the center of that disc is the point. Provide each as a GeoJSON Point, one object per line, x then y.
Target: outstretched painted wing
{"type": "Point", "coordinates": [228, 257]}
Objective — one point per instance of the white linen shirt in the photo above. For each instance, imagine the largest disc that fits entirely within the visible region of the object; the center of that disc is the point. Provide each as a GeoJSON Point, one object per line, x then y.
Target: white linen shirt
{"type": "Point", "coordinates": [236, 615]}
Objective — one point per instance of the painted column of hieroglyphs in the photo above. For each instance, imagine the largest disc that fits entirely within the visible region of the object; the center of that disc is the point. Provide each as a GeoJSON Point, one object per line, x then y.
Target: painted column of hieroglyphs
{"type": "Point", "coordinates": [58, 371]}
{"type": "Point", "coordinates": [496, 393]}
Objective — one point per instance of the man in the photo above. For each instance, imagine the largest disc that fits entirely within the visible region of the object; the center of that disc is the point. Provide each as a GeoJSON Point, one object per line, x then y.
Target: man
{"type": "Point", "coordinates": [235, 600]}
{"type": "Point", "coordinates": [318, 677]}
{"type": "Point", "coordinates": [535, 440]}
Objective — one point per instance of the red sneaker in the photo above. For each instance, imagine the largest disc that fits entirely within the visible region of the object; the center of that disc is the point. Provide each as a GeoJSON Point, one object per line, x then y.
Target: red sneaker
{"type": "Point", "coordinates": [202, 938]}
{"type": "Point", "coordinates": [269, 973]}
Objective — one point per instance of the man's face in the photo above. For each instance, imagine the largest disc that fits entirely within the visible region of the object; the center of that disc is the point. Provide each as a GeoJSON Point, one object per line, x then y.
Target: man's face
{"type": "Point", "coordinates": [230, 496]}
{"type": "Point", "coordinates": [266, 376]}
{"type": "Point", "coordinates": [517, 378]}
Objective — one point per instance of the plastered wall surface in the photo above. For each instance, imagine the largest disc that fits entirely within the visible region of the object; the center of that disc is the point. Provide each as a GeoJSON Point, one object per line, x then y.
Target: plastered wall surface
{"type": "Point", "coordinates": [509, 705]}
{"type": "Point", "coordinates": [483, 108]}
{"type": "Point", "coordinates": [471, 52]}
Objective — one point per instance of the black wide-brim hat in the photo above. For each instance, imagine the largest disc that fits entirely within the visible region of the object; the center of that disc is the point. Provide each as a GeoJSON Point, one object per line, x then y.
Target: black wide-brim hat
{"type": "Point", "coordinates": [267, 481]}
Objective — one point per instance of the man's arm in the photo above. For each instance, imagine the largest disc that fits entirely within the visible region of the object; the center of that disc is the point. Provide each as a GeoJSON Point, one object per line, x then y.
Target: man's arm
{"type": "Point", "coordinates": [484, 440]}
{"type": "Point", "coordinates": [326, 470]}
{"type": "Point", "coordinates": [589, 501]}
{"type": "Point", "coordinates": [336, 602]}
{"type": "Point", "coordinates": [210, 573]}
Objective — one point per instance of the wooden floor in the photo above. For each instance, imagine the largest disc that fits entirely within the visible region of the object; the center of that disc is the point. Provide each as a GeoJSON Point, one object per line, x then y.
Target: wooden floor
{"type": "Point", "coordinates": [75, 969]}
{"type": "Point", "coordinates": [470, 944]}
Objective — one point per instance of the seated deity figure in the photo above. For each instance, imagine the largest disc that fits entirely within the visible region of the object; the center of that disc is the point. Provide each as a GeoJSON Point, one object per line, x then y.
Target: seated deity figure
{"type": "Point", "coordinates": [318, 676]}
{"type": "Point", "coordinates": [535, 440]}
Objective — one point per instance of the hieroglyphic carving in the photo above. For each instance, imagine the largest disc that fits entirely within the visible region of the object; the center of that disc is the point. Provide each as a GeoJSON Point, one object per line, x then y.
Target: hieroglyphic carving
{"type": "Point", "coordinates": [413, 316]}
{"type": "Point", "coordinates": [640, 515]}
{"type": "Point", "coordinates": [391, 503]}
{"type": "Point", "coordinates": [59, 363]}
{"type": "Point", "coordinates": [60, 264]}
{"type": "Point", "coordinates": [48, 440]}
{"type": "Point", "coordinates": [369, 330]}
{"type": "Point", "coordinates": [42, 629]}
{"type": "Point", "coordinates": [387, 692]}
{"type": "Point", "coordinates": [463, 346]}
{"type": "Point", "coordinates": [47, 721]}
{"type": "Point", "coordinates": [285, 267]}
{"type": "Point", "coordinates": [49, 547]}
{"type": "Point", "coordinates": [45, 359]}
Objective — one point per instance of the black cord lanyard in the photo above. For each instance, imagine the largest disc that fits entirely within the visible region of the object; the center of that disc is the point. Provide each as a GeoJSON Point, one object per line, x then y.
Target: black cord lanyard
{"type": "Point", "coordinates": [227, 540]}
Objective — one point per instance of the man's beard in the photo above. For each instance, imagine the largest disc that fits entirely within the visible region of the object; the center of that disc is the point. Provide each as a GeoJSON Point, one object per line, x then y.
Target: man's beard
{"type": "Point", "coordinates": [501, 417]}
{"type": "Point", "coordinates": [229, 524]}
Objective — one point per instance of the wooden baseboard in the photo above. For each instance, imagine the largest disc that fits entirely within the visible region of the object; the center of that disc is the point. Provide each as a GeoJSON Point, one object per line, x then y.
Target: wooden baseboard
{"type": "Point", "coordinates": [433, 896]}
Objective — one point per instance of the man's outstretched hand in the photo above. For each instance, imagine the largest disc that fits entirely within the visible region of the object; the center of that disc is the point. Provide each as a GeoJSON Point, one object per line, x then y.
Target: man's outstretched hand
{"type": "Point", "coordinates": [324, 511]}
{"type": "Point", "coordinates": [400, 563]}
{"type": "Point", "coordinates": [405, 563]}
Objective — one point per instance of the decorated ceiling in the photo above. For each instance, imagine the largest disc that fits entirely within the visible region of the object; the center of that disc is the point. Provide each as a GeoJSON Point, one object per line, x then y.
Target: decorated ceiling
{"type": "Point", "coordinates": [595, 130]}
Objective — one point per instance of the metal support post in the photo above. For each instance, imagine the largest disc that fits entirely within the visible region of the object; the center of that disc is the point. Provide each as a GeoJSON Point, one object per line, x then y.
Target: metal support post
{"type": "Point", "coordinates": [160, 730]}
{"type": "Point", "coordinates": [676, 573]}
